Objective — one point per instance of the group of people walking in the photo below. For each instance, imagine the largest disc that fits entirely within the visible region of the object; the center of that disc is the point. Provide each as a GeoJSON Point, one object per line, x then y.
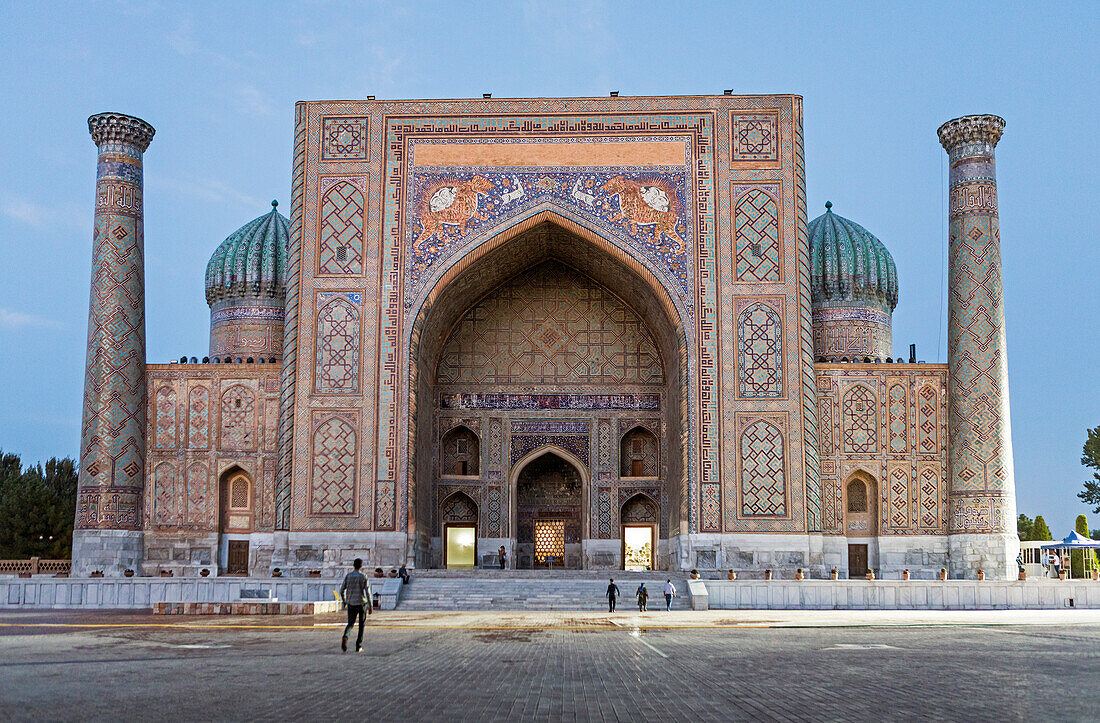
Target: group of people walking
{"type": "Point", "coordinates": [642, 594]}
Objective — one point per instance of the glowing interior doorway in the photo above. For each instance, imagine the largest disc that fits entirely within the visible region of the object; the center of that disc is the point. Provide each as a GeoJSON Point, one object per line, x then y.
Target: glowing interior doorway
{"type": "Point", "coordinates": [461, 542]}
{"type": "Point", "coordinates": [638, 547]}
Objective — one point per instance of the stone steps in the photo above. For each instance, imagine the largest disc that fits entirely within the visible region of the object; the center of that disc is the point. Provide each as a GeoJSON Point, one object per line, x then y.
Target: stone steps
{"type": "Point", "coordinates": [477, 592]}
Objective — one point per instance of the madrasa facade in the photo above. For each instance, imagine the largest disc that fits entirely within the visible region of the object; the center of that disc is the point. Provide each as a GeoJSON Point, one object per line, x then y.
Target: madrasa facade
{"type": "Point", "coordinates": [599, 333]}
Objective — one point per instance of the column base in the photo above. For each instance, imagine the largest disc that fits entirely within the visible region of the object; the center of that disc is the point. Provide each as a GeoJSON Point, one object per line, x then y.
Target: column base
{"type": "Point", "coordinates": [111, 552]}
{"type": "Point", "coordinates": [994, 553]}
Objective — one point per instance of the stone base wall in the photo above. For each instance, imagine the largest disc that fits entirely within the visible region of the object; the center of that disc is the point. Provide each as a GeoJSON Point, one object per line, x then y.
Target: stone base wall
{"type": "Point", "coordinates": [922, 555]}
{"type": "Point", "coordinates": [901, 595]}
{"type": "Point", "coordinates": [994, 553]}
{"type": "Point", "coordinates": [108, 551]}
{"type": "Point", "coordinates": [333, 552]}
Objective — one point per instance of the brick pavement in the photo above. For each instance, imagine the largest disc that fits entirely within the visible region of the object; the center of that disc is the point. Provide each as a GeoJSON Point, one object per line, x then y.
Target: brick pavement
{"type": "Point", "coordinates": [957, 672]}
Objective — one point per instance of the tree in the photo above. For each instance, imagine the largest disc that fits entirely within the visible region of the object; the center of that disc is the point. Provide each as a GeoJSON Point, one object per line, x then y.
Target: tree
{"type": "Point", "coordinates": [37, 507]}
{"type": "Point", "coordinates": [1040, 532]}
{"type": "Point", "coordinates": [1090, 457]}
{"type": "Point", "coordinates": [1024, 526]}
{"type": "Point", "coordinates": [1078, 557]}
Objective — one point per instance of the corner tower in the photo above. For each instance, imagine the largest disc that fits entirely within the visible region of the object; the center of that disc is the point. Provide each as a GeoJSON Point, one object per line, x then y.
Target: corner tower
{"type": "Point", "coordinates": [246, 290]}
{"type": "Point", "coordinates": [982, 492]}
{"type": "Point", "coordinates": [107, 534]}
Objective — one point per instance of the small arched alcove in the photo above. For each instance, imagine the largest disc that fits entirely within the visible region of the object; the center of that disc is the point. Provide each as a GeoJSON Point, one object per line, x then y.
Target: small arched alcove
{"type": "Point", "coordinates": [638, 454]}
{"type": "Point", "coordinates": [460, 453]}
{"type": "Point", "coordinates": [235, 520]}
{"type": "Point", "coordinates": [860, 522]}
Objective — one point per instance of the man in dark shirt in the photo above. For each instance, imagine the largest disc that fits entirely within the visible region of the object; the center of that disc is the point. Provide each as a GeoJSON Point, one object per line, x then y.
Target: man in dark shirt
{"type": "Point", "coordinates": [612, 593]}
{"type": "Point", "coordinates": [355, 592]}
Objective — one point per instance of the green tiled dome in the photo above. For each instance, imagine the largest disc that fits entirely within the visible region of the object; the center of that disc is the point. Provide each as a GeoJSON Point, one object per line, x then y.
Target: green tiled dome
{"type": "Point", "coordinates": [849, 266]}
{"type": "Point", "coordinates": [252, 261]}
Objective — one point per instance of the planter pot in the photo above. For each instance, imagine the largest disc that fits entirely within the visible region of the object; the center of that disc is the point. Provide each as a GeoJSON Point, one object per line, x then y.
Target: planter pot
{"type": "Point", "coordinates": [731, 576]}
{"type": "Point", "coordinates": [870, 574]}
{"type": "Point", "coordinates": [981, 575]}
{"type": "Point", "coordinates": [204, 572]}
{"type": "Point", "coordinates": [694, 576]}
{"type": "Point", "coordinates": [315, 573]}
{"type": "Point", "coordinates": [799, 576]}
{"type": "Point", "coordinates": [1023, 575]}
{"type": "Point", "coordinates": [276, 573]}
{"type": "Point", "coordinates": [834, 575]}
{"type": "Point", "coordinates": [166, 573]}
{"type": "Point", "coordinates": [905, 575]}
{"type": "Point", "coordinates": [767, 574]}
{"type": "Point", "coordinates": [943, 575]}
{"type": "Point", "coordinates": [128, 573]}
{"type": "Point", "coordinates": [1061, 574]}
{"type": "Point", "coordinates": [1096, 574]}
{"type": "Point", "coordinates": [97, 573]}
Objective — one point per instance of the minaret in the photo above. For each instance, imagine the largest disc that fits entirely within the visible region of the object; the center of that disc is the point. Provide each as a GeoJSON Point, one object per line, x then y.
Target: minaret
{"type": "Point", "coordinates": [107, 535]}
{"type": "Point", "coordinates": [982, 490]}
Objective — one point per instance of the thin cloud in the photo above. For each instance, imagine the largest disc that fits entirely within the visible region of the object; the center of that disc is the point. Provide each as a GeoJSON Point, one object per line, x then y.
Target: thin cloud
{"type": "Point", "coordinates": [207, 190]}
{"type": "Point", "coordinates": [12, 320]}
{"type": "Point", "coordinates": [251, 100]}
{"type": "Point", "coordinates": [40, 215]}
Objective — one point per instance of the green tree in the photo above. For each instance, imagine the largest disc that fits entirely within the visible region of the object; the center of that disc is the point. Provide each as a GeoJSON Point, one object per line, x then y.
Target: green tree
{"type": "Point", "coordinates": [1079, 557]}
{"type": "Point", "coordinates": [1090, 457]}
{"type": "Point", "coordinates": [37, 506]}
{"type": "Point", "coordinates": [1024, 526]}
{"type": "Point", "coordinates": [1040, 531]}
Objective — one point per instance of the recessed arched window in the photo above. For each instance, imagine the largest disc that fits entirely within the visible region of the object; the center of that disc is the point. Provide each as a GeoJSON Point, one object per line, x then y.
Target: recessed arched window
{"type": "Point", "coordinates": [857, 496]}
{"type": "Point", "coordinates": [461, 452]}
{"type": "Point", "coordinates": [638, 454]}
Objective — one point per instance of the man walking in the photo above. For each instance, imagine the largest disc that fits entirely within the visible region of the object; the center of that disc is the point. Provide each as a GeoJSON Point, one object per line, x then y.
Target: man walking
{"type": "Point", "coordinates": [355, 593]}
{"type": "Point", "coordinates": [503, 555]}
{"type": "Point", "coordinates": [643, 598]}
{"type": "Point", "coordinates": [670, 592]}
{"type": "Point", "coordinates": [612, 593]}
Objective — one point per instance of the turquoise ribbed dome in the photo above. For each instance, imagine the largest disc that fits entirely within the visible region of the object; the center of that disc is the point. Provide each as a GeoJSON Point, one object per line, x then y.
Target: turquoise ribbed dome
{"type": "Point", "coordinates": [848, 265]}
{"type": "Point", "coordinates": [252, 261]}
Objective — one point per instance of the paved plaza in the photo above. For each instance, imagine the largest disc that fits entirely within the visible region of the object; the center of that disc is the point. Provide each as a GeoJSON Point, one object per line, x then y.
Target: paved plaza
{"type": "Point", "coordinates": [719, 665]}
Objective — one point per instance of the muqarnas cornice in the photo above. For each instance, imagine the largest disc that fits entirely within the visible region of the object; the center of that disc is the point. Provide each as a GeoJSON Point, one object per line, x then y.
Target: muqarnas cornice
{"type": "Point", "coordinates": [120, 127]}
{"type": "Point", "coordinates": [971, 129]}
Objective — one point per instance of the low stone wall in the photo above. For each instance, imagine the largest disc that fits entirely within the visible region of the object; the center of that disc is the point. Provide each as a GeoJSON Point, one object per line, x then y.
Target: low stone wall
{"type": "Point", "coordinates": [901, 595]}
{"type": "Point", "coordinates": [246, 608]}
{"type": "Point", "coordinates": [143, 592]}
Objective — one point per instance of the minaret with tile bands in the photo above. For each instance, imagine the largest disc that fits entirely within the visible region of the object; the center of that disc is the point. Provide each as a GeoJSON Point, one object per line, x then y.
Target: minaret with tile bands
{"type": "Point", "coordinates": [982, 493]}
{"type": "Point", "coordinates": [107, 536]}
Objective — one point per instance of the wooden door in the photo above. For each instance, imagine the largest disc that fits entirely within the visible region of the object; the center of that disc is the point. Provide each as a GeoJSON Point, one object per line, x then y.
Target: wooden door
{"type": "Point", "coordinates": [237, 562]}
{"type": "Point", "coordinates": [857, 561]}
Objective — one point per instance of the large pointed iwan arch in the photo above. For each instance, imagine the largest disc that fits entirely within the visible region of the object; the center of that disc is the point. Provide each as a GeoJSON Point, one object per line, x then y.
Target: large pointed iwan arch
{"type": "Point", "coordinates": [544, 236]}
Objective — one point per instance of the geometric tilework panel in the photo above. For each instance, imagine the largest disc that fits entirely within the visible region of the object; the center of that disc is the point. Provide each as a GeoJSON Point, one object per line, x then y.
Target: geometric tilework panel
{"type": "Point", "coordinates": [340, 248]}
{"type": "Point", "coordinates": [495, 517]}
{"type": "Point", "coordinates": [164, 494]}
{"type": "Point", "coordinates": [332, 489]}
{"type": "Point", "coordinates": [763, 487]}
{"type": "Point", "coordinates": [754, 136]}
{"type": "Point", "coordinates": [344, 138]}
{"type": "Point", "coordinates": [930, 499]}
{"type": "Point", "coordinates": [550, 325]}
{"type": "Point", "coordinates": [927, 423]}
{"type": "Point", "coordinates": [639, 509]}
{"type": "Point", "coordinates": [899, 499]}
{"type": "Point", "coordinates": [860, 421]}
{"type": "Point", "coordinates": [238, 418]}
{"type": "Point", "coordinates": [458, 508]}
{"type": "Point", "coordinates": [759, 256]}
{"type": "Point", "coordinates": [337, 369]}
{"type": "Point", "coordinates": [897, 423]}
{"type": "Point", "coordinates": [759, 353]}
{"type": "Point", "coordinates": [197, 479]}
{"type": "Point", "coordinates": [198, 424]}
{"type": "Point", "coordinates": [710, 502]}
{"type": "Point", "coordinates": [166, 418]}
{"type": "Point", "coordinates": [603, 515]}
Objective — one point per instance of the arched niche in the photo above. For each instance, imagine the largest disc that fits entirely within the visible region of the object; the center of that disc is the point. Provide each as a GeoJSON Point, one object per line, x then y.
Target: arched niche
{"type": "Point", "coordinates": [545, 237]}
{"type": "Point", "coordinates": [460, 453]}
{"type": "Point", "coordinates": [639, 454]}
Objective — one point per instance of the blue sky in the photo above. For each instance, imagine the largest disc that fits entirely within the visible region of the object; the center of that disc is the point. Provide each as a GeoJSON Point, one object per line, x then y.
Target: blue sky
{"type": "Point", "coordinates": [219, 80]}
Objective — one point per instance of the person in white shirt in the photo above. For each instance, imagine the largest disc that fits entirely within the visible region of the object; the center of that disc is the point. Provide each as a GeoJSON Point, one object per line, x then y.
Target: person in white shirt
{"type": "Point", "coordinates": [670, 592]}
